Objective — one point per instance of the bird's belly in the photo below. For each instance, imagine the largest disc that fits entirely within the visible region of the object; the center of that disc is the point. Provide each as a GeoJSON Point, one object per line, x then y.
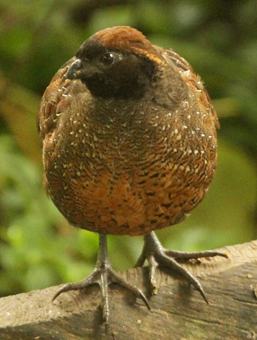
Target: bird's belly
{"type": "Point", "coordinates": [124, 202]}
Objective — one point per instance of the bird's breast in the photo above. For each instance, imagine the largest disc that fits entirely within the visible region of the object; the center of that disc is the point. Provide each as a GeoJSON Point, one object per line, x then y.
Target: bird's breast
{"type": "Point", "coordinates": [126, 181]}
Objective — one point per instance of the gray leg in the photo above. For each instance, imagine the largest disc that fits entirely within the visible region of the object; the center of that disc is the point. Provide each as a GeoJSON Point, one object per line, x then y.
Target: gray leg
{"type": "Point", "coordinates": [158, 256]}
{"type": "Point", "coordinates": [103, 275]}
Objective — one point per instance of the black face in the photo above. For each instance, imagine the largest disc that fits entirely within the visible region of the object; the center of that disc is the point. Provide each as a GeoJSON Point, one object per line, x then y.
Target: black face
{"type": "Point", "coordinates": [110, 73]}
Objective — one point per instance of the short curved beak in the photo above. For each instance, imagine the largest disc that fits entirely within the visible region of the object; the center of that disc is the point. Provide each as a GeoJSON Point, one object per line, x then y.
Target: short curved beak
{"type": "Point", "coordinates": [81, 69]}
{"type": "Point", "coordinates": [74, 72]}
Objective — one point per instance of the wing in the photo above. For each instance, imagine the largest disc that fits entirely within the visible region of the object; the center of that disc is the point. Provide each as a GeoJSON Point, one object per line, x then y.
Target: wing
{"type": "Point", "coordinates": [53, 102]}
{"type": "Point", "coordinates": [193, 81]}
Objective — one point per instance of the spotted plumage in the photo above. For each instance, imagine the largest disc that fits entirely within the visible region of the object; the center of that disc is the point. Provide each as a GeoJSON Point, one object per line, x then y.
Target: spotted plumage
{"type": "Point", "coordinates": [133, 165]}
{"type": "Point", "coordinates": [129, 140]}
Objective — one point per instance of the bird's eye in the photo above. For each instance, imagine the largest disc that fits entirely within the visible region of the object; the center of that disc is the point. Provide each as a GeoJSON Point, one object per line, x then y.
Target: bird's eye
{"type": "Point", "coordinates": [107, 59]}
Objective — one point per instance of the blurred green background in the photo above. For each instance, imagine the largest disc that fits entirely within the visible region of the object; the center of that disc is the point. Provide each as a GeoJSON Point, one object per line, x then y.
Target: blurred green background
{"type": "Point", "coordinates": [219, 38]}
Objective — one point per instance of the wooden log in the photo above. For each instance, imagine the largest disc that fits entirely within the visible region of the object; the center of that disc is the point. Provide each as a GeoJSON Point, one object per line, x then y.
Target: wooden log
{"type": "Point", "coordinates": [178, 311]}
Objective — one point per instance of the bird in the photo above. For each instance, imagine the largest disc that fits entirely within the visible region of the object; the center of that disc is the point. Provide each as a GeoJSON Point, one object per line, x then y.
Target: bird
{"type": "Point", "coordinates": [129, 144]}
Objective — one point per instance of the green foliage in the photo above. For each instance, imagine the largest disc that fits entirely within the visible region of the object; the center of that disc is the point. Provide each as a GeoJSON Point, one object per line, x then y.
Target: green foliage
{"type": "Point", "coordinates": [37, 246]}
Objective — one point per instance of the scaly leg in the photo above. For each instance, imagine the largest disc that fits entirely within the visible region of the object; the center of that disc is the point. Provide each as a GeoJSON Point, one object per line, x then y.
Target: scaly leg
{"type": "Point", "coordinates": [103, 275]}
{"type": "Point", "coordinates": [158, 256]}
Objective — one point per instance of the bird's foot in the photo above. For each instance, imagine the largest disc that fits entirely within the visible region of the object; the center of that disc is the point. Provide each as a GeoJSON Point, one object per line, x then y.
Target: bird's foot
{"type": "Point", "coordinates": [156, 255]}
{"type": "Point", "coordinates": [103, 275]}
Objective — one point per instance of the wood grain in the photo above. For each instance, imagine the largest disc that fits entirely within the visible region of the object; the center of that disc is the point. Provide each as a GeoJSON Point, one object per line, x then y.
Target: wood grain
{"type": "Point", "coordinates": [178, 311]}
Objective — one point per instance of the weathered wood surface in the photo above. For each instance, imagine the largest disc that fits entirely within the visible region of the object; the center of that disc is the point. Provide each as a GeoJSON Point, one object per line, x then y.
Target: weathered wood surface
{"type": "Point", "coordinates": [178, 311]}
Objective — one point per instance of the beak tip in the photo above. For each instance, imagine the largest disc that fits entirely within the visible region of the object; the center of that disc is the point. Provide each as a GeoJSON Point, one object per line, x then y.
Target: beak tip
{"type": "Point", "coordinates": [74, 70]}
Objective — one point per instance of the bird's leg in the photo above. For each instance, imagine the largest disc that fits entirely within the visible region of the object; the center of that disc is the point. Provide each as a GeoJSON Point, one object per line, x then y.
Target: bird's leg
{"type": "Point", "coordinates": [158, 256]}
{"type": "Point", "coordinates": [103, 275]}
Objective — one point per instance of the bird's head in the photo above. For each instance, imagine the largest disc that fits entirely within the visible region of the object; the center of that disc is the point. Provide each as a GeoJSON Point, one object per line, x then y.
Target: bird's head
{"type": "Point", "coordinates": [117, 62]}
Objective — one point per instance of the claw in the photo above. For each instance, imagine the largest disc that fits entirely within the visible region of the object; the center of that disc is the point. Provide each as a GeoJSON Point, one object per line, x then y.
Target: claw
{"type": "Point", "coordinates": [158, 256]}
{"type": "Point", "coordinates": [103, 275]}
